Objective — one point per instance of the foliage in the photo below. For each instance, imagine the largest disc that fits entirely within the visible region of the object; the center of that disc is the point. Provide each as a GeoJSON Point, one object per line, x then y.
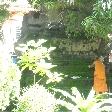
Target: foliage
{"type": "Point", "coordinates": [70, 13]}
{"type": "Point", "coordinates": [69, 2]}
{"type": "Point", "coordinates": [74, 15]}
{"type": "Point", "coordinates": [72, 24]}
{"type": "Point", "coordinates": [10, 77]}
{"type": "Point", "coordinates": [36, 99]}
{"type": "Point", "coordinates": [35, 57]}
{"type": "Point", "coordinates": [78, 103]}
{"type": "Point", "coordinates": [54, 77]}
{"type": "Point", "coordinates": [37, 3]}
{"type": "Point", "coordinates": [99, 23]}
{"type": "Point", "coordinates": [3, 13]}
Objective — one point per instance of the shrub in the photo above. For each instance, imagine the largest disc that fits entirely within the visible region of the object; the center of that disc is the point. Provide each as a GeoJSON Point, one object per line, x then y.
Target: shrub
{"type": "Point", "coordinates": [36, 58]}
{"type": "Point", "coordinates": [10, 77]}
{"type": "Point", "coordinates": [36, 99]}
{"type": "Point", "coordinates": [77, 102]}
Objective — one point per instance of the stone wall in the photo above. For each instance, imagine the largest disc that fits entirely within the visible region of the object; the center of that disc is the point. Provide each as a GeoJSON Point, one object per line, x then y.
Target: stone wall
{"type": "Point", "coordinates": [74, 47]}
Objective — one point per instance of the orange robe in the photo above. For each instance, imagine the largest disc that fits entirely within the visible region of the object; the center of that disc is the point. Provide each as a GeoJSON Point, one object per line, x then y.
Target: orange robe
{"type": "Point", "coordinates": [100, 84]}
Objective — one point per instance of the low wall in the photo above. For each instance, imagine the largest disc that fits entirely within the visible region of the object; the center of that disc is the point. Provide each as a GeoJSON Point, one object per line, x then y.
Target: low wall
{"type": "Point", "coordinates": [74, 47]}
{"type": "Point", "coordinates": [71, 46]}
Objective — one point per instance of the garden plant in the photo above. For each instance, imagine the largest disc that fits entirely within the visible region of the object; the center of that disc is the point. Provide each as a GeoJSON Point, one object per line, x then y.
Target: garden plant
{"type": "Point", "coordinates": [95, 21]}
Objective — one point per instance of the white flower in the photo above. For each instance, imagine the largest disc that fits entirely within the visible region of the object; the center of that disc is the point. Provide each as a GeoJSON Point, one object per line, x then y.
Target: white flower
{"type": "Point", "coordinates": [54, 77]}
{"type": "Point", "coordinates": [36, 99]}
{"type": "Point", "coordinates": [10, 77]}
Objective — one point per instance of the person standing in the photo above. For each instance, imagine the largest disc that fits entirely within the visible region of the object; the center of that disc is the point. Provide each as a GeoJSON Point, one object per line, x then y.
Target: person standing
{"type": "Point", "coordinates": [100, 85]}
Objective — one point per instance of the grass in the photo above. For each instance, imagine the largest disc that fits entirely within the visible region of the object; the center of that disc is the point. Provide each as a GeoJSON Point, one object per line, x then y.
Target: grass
{"type": "Point", "coordinates": [71, 67]}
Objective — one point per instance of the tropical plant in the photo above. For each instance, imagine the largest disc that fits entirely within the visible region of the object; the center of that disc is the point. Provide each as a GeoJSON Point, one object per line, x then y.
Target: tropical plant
{"type": "Point", "coordinates": [35, 57]}
{"type": "Point", "coordinates": [10, 76]}
{"type": "Point", "coordinates": [74, 15]}
{"type": "Point", "coordinates": [77, 102]}
{"type": "Point", "coordinates": [99, 24]}
{"type": "Point", "coordinates": [36, 99]}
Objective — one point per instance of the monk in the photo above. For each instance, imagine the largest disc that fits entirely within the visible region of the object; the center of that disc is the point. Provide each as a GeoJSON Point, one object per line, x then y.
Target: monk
{"type": "Point", "coordinates": [100, 85]}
